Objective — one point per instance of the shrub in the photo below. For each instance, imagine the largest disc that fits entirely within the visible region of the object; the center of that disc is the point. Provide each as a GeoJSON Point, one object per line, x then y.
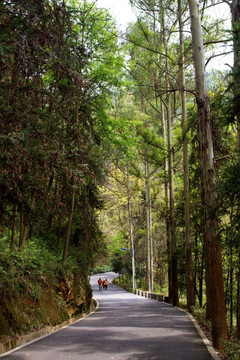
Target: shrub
{"type": "Point", "coordinates": [232, 349]}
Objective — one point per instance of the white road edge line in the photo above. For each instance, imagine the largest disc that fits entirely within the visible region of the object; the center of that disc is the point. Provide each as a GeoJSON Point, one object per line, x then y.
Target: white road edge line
{"type": "Point", "coordinates": [207, 343]}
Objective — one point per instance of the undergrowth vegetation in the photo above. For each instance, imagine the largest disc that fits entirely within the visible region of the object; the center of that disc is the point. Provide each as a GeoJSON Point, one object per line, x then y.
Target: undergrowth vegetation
{"type": "Point", "coordinates": [36, 261]}
{"type": "Point", "coordinates": [37, 289]}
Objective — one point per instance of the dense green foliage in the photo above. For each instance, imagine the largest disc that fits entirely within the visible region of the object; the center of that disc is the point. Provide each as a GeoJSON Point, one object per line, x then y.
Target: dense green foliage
{"type": "Point", "coordinates": [58, 64]}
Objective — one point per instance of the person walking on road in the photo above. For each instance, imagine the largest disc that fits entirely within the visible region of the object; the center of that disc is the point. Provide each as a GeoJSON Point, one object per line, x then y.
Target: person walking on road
{"type": "Point", "coordinates": [100, 283]}
{"type": "Point", "coordinates": [106, 284]}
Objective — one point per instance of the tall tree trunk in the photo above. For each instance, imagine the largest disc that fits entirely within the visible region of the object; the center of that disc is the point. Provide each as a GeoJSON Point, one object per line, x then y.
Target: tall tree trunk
{"type": "Point", "coordinates": [231, 286]}
{"type": "Point", "coordinates": [23, 237]}
{"type": "Point", "coordinates": [235, 9]}
{"type": "Point", "coordinates": [188, 239]}
{"type": "Point", "coordinates": [172, 222]}
{"type": "Point", "coordinates": [25, 225]}
{"type": "Point", "coordinates": [149, 228]}
{"type": "Point", "coordinates": [238, 276]}
{"type": "Point", "coordinates": [21, 226]}
{"type": "Point", "coordinates": [173, 293]}
{"type": "Point", "coordinates": [65, 250]}
{"type": "Point", "coordinates": [166, 185]}
{"type": "Point", "coordinates": [201, 277]}
{"type": "Point", "coordinates": [209, 308]}
{"type": "Point", "coordinates": [3, 209]}
{"type": "Point", "coordinates": [13, 227]}
{"type": "Point", "coordinates": [166, 162]}
{"type": "Point", "coordinates": [211, 222]}
{"type": "Point", "coordinates": [59, 233]}
{"type": "Point", "coordinates": [130, 219]}
{"type": "Point", "coordinates": [199, 261]}
{"type": "Point", "coordinates": [238, 295]}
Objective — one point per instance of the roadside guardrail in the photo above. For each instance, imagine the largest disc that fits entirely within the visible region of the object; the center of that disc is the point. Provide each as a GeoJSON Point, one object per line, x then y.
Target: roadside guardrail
{"type": "Point", "coordinates": [153, 296]}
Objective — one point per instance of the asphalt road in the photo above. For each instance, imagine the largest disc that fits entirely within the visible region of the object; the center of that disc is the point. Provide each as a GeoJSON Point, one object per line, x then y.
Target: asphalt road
{"type": "Point", "coordinates": [125, 326]}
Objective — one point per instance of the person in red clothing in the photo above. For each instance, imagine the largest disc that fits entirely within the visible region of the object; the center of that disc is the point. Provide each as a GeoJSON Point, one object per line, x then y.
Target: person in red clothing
{"type": "Point", "coordinates": [100, 283]}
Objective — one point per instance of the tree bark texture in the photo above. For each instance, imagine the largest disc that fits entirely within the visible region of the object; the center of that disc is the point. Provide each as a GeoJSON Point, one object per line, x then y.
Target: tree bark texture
{"type": "Point", "coordinates": [209, 308]}
{"type": "Point", "coordinates": [164, 118]}
{"type": "Point", "coordinates": [166, 184]}
{"type": "Point", "coordinates": [235, 9]}
{"type": "Point", "coordinates": [24, 233]}
{"type": "Point", "coordinates": [172, 220]}
{"type": "Point", "coordinates": [65, 250]}
{"type": "Point", "coordinates": [149, 228]}
{"type": "Point", "coordinates": [3, 211]}
{"type": "Point", "coordinates": [173, 291]}
{"type": "Point", "coordinates": [188, 239]}
{"type": "Point", "coordinates": [13, 227]}
{"type": "Point", "coordinates": [59, 233]}
{"type": "Point", "coordinates": [238, 293]}
{"type": "Point", "coordinates": [130, 219]}
{"type": "Point", "coordinates": [238, 280]}
{"type": "Point", "coordinates": [207, 168]}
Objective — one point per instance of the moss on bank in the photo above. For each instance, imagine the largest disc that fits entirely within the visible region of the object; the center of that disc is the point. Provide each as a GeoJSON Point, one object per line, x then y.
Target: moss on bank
{"type": "Point", "coordinates": [37, 290]}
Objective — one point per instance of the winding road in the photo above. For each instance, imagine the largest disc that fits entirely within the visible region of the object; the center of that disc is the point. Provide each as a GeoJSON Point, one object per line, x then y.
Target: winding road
{"type": "Point", "coordinates": [125, 326]}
